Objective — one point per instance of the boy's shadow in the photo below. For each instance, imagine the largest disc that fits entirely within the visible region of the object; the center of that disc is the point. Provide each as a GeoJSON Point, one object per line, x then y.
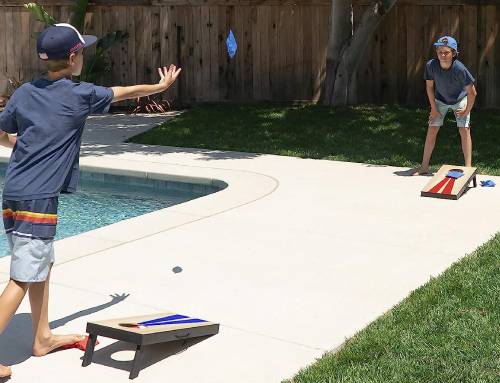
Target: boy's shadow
{"type": "Point", "coordinates": [17, 339]}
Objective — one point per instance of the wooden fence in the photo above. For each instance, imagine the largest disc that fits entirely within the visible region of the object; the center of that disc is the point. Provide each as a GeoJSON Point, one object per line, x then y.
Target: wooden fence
{"type": "Point", "coordinates": [281, 46]}
{"type": "Point", "coordinates": [394, 64]}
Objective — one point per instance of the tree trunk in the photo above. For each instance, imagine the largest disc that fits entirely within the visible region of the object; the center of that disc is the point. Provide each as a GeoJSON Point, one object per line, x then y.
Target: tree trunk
{"type": "Point", "coordinates": [340, 33]}
{"type": "Point", "coordinates": [344, 54]}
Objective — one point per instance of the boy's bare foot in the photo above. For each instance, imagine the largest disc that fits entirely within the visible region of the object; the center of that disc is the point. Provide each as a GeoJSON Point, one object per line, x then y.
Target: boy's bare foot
{"type": "Point", "coordinates": [5, 371]}
{"type": "Point", "coordinates": [420, 171]}
{"type": "Point", "coordinates": [42, 347]}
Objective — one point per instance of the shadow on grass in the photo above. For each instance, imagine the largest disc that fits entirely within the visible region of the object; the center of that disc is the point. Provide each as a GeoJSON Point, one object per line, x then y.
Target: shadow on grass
{"type": "Point", "coordinates": [377, 135]}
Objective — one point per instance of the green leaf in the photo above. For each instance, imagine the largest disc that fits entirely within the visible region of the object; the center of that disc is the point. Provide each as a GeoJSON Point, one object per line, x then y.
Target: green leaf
{"type": "Point", "coordinates": [78, 12]}
{"type": "Point", "coordinates": [99, 64]}
{"type": "Point", "coordinates": [111, 39]}
{"type": "Point", "coordinates": [40, 14]}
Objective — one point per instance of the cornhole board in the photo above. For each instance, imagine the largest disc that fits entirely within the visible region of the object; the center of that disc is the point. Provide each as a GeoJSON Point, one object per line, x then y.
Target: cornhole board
{"type": "Point", "coordinates": [172, 330]}
{"type": "Point", "coordinates": [441, 186]}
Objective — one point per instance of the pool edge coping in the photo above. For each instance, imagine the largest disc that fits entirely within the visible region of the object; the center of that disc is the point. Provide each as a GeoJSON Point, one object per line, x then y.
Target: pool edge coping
{"type": "Point", "coordinates": [241, 188]}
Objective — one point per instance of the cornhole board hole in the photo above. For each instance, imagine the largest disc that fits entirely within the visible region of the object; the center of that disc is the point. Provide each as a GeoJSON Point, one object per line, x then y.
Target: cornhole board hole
{"type": "Point", "coordinates": [445, 183]}
{"type": "Point", "coordinates": [147, 330]}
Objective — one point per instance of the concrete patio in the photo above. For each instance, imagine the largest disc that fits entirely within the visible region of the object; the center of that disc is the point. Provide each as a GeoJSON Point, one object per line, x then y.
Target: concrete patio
{"type": "Point", "coordinates": [293, 257]}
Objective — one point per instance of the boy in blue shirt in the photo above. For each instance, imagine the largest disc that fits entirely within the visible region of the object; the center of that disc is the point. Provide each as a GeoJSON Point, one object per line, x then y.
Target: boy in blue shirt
{"type": "Point", "coordinates": [449, 85]}
{"type": "Point", "coordinates": [48, 115]}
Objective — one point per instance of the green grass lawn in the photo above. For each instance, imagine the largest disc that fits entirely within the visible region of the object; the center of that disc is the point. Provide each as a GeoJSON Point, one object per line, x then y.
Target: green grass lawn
{"type": "Point", "coordinates": [446, 331]}
{"type": "Point", "coordinates": [374, 135]}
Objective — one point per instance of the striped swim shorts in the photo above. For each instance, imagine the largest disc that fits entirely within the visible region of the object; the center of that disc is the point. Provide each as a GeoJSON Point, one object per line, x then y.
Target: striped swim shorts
{"type": "Point", "coordinates": [30, 227]}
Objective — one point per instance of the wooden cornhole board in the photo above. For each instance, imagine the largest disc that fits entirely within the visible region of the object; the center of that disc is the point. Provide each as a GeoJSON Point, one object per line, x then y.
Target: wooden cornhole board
{"type": "Point", "coordinates": [141, 337]}
{"type": "Point", "coordinates": [441, 186]}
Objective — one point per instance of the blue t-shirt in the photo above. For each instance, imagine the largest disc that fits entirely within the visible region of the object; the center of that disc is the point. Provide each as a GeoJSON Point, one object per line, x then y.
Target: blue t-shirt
{"type": "Point", "coordinates": [48, 117]}
{"type": "Point", "coordinates": [449, 84]}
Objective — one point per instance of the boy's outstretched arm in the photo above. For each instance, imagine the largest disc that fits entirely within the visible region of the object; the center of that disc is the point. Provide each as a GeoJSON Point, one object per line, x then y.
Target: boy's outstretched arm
{"type": "Point", "coordinates": [7, 140]}
{"type": "Point", "coordinates": [167, 78]}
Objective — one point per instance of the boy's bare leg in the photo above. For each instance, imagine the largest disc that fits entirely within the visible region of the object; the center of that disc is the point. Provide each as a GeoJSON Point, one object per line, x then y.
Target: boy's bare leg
{"type": "Point", "coordinates": [10, 300]}
{"type": "Point", "coordinates": [43, 339]}
{"type": "Point", "coordinates": [430, 142]}
{"type": "Point", "coordinates": [466, 145]}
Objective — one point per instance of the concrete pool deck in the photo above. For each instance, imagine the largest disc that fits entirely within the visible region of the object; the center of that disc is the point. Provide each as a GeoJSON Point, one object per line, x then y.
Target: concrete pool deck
{"type": "Point", "coordinates": [291, 258]}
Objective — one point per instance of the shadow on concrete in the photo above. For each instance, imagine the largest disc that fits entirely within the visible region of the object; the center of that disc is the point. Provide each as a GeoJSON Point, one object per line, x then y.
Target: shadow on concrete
{"type": "Point", "coordinates": [120, 355]}
{"type": "Point", "coordinates": [17, 339]}
{"type": "Point", "coordinates": [107, 135]}
{"type": "Point", "coordinates": [95, 148]}
{"type": "Point", "coordinates": [411, 172]}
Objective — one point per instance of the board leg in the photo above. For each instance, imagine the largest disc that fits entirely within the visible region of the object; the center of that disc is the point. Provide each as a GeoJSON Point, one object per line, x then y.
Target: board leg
{"type": "Point", "coordinates": [474, 182]}
{"type": "Point", "coordinates": [137, 362]}
{"type": "Point", "coordinates": [89, 350]}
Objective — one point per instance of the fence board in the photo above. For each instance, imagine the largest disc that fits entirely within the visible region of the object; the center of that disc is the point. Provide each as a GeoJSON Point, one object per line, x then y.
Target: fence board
{"type": "Point", "coordinates": [123, 48]}
{"type": "Point", "coordinates": [24, 69]}
{"type": "Point", "coordinates": [496, 100]}
{"type": "Point", "coordinates": [10, 46]}
{"type": "Point", "coordinates": [274, 70]}
{"type": "Point", "coordinates": [248, 49]}
{"type": "Point", "coordinates": [316, 60]}
{"type": "Point", "coordinates": [256, 63]}
{"type": "Point", "coordinates": [324, 35]}
{"type": "Point", "coordinates": [421, 58]}
{"type": "Point", "coordinates": [3, 57]}
{"type": "Point", "coordinates": [155, 44]}
{"type": "Point", "coordinates": [298, 55]}
{"type": "Point", "coordinates": [469, 46]}
{"type": "Point", "coordinates": [365, 71]}
{"type": "Point", "coordinates": [213, 12]}
{"type": "Point", "coordinates": [197, 53]}
{"type": "Point", "coordinates": [223, 59]}
{"type": "Point", "coordinates": [389, 63]}
{"type": "Point", "coordinates": [238, 30]}
{"type": "Point", "coordinates": [110, 21]}
{"type": "Point", "coordinates": [491, 35]}
{"type": "Point", "coordinates": [307, 53]}
{"type": "Point", "coordinates": [168, 46]}
{"type": "Point", "coordinates": [204, 91]}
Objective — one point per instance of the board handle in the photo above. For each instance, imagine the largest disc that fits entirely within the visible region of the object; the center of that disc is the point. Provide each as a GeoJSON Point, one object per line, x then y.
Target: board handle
{"type": "Point", "coordinates": [182, 336]}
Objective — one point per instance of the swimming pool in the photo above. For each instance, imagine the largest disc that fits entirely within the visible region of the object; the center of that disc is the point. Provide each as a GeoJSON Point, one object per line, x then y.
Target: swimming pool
{"type": "Point", "coordinates": [103, 199]}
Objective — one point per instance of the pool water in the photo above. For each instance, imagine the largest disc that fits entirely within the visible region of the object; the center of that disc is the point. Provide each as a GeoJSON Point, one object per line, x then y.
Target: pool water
{"type": "Point", "coordinates": [103, 199]}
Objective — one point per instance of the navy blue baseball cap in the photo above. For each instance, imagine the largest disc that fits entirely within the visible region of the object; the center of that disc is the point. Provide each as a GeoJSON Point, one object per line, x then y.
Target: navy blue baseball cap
{"type": "Point", "coordinates": [447, 41]}
{"type": "Point", "coordinates": [60, 40]}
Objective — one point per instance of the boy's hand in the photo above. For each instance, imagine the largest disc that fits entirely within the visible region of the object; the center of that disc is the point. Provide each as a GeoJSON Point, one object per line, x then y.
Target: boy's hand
{"type": "Point", "coordinates": [168, 76]}
{"type": "Point", "coordinates": [462, 112]}
{"type": "Point", "coordinates": [434, 114]}
{"type": "Point", "coordinates": [7, 140]}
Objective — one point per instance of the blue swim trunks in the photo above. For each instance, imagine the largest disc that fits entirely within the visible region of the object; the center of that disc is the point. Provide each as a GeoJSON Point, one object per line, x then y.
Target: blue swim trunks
{"type": "Point", "coordinates": [30, 227]}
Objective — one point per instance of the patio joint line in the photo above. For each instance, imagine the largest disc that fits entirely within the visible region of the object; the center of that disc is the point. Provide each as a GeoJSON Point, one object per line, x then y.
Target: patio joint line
{"type": "Point", "coordinates": [225, 325]}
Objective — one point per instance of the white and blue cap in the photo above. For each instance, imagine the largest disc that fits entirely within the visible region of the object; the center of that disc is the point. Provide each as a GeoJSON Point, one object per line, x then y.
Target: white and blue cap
{"type": "Point", "coordinates": [447, 41]}
{"type": "Point", "coordinates": [60, 40]}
